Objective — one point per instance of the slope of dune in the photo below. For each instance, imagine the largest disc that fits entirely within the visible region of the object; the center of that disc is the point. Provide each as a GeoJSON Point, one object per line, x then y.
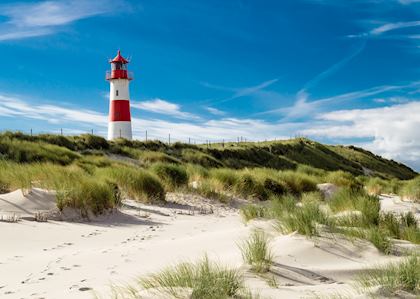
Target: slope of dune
{"type": "Point", "coordinates": [57, 259]}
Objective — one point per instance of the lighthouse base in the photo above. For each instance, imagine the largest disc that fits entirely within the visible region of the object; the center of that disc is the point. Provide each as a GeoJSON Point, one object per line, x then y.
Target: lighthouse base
{"type": "Point", "coordinates": [119, 129]}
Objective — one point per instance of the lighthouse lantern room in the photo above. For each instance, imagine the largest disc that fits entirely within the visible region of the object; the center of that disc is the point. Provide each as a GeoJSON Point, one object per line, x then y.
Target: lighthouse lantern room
{"type": "Point", "coordinates": [119, 125]}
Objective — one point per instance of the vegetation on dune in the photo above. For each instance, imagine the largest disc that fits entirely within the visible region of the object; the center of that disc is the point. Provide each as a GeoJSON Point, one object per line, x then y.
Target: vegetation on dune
{"type": "Point", "coordinates": [403, 276]}
{"type": "Point", "coordinates": [134, 183]}
{"type": "Point", "coordinates": [256, 252]}
{"type": "Point", "coordinates": [174, 176]}
{"type": "Point", "coordinates": [207, 280]}
{"type": "Point", "coordinates": [288, 154]}
{"type": "Point", "coordinates": [265, 171]}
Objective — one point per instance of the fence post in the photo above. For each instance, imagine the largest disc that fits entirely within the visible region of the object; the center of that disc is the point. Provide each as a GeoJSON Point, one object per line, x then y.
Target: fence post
{"type": "Point", "coordinates": [169, 139]}
{"type": "Point", "coordinates": [223, 143]}
{"type": "Point", "coordinates": [61, 131]}
{"type": "Point", "coordinates": [31, 131]}
{"type": "Point", "coordinates": [238, 140]}
{"type": "Point", "coordinates": [120, 133]}
{"type": "Point", "coordinates": [146, 135]}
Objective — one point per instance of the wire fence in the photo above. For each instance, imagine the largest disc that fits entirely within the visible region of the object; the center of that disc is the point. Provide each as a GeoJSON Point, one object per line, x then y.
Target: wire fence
{"type": "Point", "coordinates": [170, 138]}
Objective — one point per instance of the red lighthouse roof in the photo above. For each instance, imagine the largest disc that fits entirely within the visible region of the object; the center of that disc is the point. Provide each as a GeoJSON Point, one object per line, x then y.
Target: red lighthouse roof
{"type": "Point", "coordinates": [119, 58]}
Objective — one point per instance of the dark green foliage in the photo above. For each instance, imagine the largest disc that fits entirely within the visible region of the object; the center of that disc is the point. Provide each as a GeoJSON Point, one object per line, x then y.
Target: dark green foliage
{"type": "Point", "coordinates": [247, 186]}
{"type": "Point", "coordinates": [88, 195]}
{"type": "Point", "coordinates": [173, 175]}
{"type": "Point", "coordinates": [275, 187]}
{"type": "Point", "coordinates": [25, 151]}
{"type": "Point", "coordinates": [89, 141]}
{"type": "Point", "coordinates": [137, 184]}
{"type": "Point", "coordinates": [198, 157]}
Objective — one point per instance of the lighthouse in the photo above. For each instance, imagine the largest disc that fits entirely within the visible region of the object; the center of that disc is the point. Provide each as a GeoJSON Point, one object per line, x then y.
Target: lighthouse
{"type": "Point", "coordinates": [119, 123]}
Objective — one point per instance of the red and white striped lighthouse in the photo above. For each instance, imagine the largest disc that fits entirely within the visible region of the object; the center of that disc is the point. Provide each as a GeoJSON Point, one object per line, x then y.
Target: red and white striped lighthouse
{"type": "Point", "coordinates": [119, 124]}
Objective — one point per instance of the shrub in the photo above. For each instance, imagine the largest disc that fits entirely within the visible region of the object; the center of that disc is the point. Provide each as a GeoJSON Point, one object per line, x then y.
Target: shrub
{"type": "Point", "coordinates": [247, 186]}
{"type": "Point", "coordinates": [350, 200]}
{"type": "Point", "coordinates": [249, 212]}
{"type": "Point", "coordinates": [342, 179]}
{"type": "Point", "coordinates": [89, 141]}
{"type": "Point", "coordinates": [380, 239]}
{"type": "Point", "coordinates": [296, 182]}
{"type": "Point", "coordinates": [25, 152]}
{"type": "Point", "coordinates": [411, 189]}
{"type": "Point", "coordinates": [394, 277]}
{"type": "Point", "coordinates": [198, 157]}
{"type": "Point", "coordinates": [173, 175]}
{"type": "Point", "coordinates": [206, 280]}
{"type": "Point", "coordinates": [149, 157]}
{"type": "Point", "coordinates": [138, 184]}
{"type": "Point", "coordinates": [303, 219]}
{"type": "Point", "coordinates": [275, 187]}
{"type": "Point", "coordinates": [256, 252]}
{"type": "Point", "coordinates": [88, 195]}
{"type": "Point", "coordinates": [228, 178]}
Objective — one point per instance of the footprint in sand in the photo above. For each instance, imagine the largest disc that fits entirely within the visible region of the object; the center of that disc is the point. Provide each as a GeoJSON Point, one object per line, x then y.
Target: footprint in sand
{"type": "Point", "coordinates": [83, 289]}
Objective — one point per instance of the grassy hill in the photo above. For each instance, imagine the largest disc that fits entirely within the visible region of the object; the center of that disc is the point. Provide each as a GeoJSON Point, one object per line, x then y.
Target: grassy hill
{"type": "Point", "coordinates": [92, 174]}
{"type": "Point", "coordinates": [281, 155]}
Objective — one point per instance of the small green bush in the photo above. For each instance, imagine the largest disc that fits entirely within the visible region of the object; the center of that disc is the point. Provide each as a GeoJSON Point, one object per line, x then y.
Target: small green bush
{"type": "Point", "coordinates": [256, 252]}
{"type": "Point", "coordinates": [206, 280]}
{"type": "Point", "coordinates": [174, 176]}
{"type": "Point", "coordinates": [88, 195]}
{"type": "Point", "coordinates": [249, 212]}
{"type": "Point", "coordinates": [249, 187]}
{"type": "Point", "coordinates": [380, 239]}
{"type": "Point", "coordinates": [138, 184]}
{"type": "Point", "coordinates": [200, 158]}
{"type": "Point", "coordinates": [296, 182]}
{"type": "Point", "coordinates": [411, 189]}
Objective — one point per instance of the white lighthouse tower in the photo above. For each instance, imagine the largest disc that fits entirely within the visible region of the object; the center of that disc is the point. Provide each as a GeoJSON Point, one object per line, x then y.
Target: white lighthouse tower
{"type": "Point", "coordinates": [119, 124]}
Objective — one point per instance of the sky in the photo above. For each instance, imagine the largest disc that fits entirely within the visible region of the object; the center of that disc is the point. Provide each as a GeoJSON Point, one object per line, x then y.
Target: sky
{"type": "Point", "coordinates": [339, 72]}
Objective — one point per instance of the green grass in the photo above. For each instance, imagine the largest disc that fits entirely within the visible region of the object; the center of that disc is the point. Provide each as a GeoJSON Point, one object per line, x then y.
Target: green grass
{"type": "Point", "coordinates": [174, 176]}
{"type": "Point", "coordinates": [207, 280]}
{"type": "Point", "coordinates": [256, 252]}
{"type": "Point", "coordinates": [252, 211]}
{"type": "Point", "coordinates": [394, 277]}
{"type": "Point", "coordinates": [134, 183]}
{"type": "Point", "coordinates": [304, 219]}
{"type": "Point", "coordinates": [411, 189]}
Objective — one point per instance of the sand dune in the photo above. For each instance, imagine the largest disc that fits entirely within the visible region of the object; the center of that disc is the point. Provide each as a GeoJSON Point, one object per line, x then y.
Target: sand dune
{"type": "Point", "coordinates": [57, 259]}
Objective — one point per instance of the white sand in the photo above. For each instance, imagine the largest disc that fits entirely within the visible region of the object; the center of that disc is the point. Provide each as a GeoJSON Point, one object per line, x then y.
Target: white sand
{"type": "Point", "coordinates": [68, 260]}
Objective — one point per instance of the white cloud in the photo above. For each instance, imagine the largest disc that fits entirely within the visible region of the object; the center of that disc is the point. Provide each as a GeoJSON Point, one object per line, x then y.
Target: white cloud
{"type": "Point", "coordinates": [26, 20]}
{"type": "Point", "coordinates": [163, 107]}
{"type": "Point", "coordinates": [240, 92]}
{"type": "Point", "coordinates": [80, 120]}
{"type": "Point", "coordinates": [393, 26]}
{"type": "Point", "coordinates": [215, 111]}
{"type": "Point", "coordinates": [394, 130]}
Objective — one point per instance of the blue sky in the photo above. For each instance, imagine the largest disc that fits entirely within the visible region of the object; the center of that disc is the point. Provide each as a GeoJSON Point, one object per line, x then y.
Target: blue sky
{"type": "Point", "coordinates": [335, 71]}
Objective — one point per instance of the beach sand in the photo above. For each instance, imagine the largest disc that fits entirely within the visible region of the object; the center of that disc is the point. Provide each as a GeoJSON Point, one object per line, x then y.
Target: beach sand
{"type": "Point", "coordinates": [63, 259]}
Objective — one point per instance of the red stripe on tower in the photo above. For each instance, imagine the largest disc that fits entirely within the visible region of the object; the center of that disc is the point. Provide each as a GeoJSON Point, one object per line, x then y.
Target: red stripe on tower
{"type": "Point", "coordinates": [119, 110]}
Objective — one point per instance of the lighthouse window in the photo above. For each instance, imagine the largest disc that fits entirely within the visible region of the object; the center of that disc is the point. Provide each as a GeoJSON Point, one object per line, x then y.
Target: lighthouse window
{"type": "Point", "coordinates": [116, 92]}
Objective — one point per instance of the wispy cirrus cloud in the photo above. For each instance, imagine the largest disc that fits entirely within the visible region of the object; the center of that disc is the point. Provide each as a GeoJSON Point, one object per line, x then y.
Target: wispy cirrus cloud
{"type": "Point", "coordinates": [302, 107]}
{"type": "Point", "coordinates": [215, 111]}
{"type": "Point", "coordinates": [163, 107]}
{"type": "Point", "coordinates": [24, 20]}
{"type": "Point", "coordinates": [239, 92]}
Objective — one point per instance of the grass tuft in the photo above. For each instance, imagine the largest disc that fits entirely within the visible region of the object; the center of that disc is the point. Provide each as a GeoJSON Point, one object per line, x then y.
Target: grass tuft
{"type": "Point", "coordinates": [256, 252]}
{"type": "Point", "coordinates": [207, 280]}
{"type": "Point", "coordinates": [403, 276]}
